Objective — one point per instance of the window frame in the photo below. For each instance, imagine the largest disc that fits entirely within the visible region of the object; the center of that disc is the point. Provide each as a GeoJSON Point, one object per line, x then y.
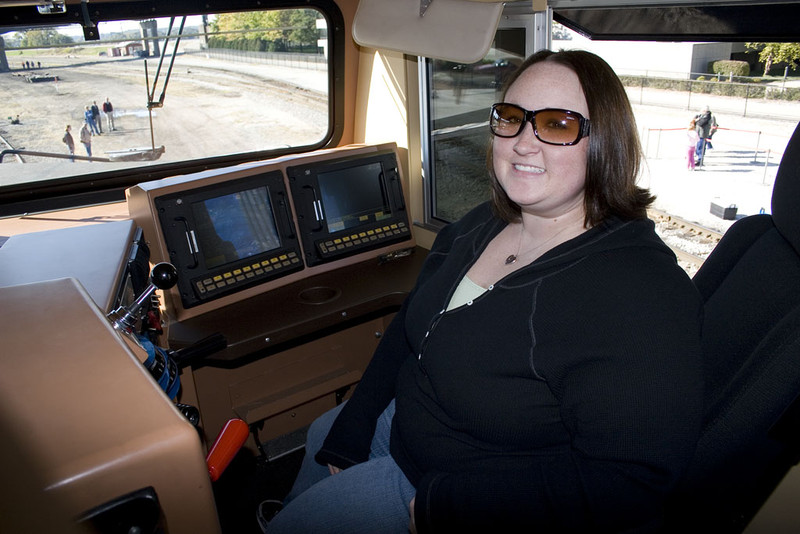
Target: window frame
{"type": "Point", "coordinates": [538, 35]}
{"type": "Point", "coordinates": [110, 186]}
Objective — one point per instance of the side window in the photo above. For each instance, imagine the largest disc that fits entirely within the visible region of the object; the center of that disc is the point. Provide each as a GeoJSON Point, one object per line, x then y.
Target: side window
{"type": "Point", "coordinates": [456, 100]}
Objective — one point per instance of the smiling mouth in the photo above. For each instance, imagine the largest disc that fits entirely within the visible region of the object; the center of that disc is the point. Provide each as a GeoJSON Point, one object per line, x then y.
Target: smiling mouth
{"type": "Point", "coordinates": [528, 168]}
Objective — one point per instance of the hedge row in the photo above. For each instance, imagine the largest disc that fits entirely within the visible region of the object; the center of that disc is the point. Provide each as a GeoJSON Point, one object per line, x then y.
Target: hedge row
{"type": "Point", "coordinates": [714, 87]}
{"type": "Point", "coordinates": [730, 67]}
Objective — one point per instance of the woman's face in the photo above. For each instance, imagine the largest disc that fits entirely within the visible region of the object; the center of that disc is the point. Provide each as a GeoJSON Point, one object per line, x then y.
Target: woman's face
{"type": "Point", "coordinates": [544, 180]}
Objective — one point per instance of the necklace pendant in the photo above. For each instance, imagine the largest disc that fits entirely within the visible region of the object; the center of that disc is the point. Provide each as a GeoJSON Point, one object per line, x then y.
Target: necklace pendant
{"type": "Point", "coordinates": [511, 259]}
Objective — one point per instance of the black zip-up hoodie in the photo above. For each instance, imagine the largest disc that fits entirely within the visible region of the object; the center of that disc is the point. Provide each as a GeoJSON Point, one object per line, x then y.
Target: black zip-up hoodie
{"type": "Point", "coordinates": [566, 398]}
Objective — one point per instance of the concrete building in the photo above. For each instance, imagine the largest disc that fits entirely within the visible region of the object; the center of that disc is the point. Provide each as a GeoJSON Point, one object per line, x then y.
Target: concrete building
{"type": "Point", "coordinates": [661, 59]}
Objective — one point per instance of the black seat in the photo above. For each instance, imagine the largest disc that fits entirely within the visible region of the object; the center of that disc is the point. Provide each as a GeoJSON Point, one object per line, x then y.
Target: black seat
{"type": "Point", "coordinates": [751, 339]}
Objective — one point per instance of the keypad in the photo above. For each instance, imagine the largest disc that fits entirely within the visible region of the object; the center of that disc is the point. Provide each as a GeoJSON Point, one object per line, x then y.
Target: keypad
{"type": "Point", "coordinates": [361, 239]}
{"type": "Point", "coordinates": [247, 274]}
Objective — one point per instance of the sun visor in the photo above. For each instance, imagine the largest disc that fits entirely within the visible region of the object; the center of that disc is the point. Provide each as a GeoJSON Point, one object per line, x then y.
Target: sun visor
{"type": "Point", "coordinates": [455, 30]}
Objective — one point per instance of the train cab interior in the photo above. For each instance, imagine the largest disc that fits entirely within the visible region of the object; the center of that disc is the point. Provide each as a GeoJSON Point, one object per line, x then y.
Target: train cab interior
{"type": "Point", "coordinates": [179, 306]}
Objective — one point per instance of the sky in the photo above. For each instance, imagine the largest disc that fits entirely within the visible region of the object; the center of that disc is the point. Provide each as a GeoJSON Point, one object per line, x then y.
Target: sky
{"type": "Point", "coordinates": [76, 31]}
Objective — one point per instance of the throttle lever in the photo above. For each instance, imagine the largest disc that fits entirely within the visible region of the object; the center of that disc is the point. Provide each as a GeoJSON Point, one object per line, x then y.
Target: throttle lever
{"type": "Point", "coordinates": [229, 440]}
{"type": "Point", "coordinates": [163, 276]}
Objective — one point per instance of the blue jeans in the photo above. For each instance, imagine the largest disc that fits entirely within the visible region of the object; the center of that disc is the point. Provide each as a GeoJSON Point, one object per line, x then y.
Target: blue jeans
{"type": "Point", "coordinates": [370, 497]}
{"type": "Point", "coordinates": [93, 126]}
{"type": "Point", "coordinates": [700, 150]}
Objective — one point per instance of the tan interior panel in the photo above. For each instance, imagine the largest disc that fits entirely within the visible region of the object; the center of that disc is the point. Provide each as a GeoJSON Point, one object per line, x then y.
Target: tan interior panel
{"type": "Point", "coordinates": [94, 254]}
{"type": "Point", "coordinates": [143, 210]}
{"type": "Point", "coordinates": [91, 419]}
{"type": "Point", "coordinates": [289, 389]}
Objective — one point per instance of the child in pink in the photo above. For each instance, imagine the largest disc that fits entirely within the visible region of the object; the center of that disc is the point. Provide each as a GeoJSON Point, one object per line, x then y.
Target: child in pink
{"type": "Point", "coordinates": [692, 138]}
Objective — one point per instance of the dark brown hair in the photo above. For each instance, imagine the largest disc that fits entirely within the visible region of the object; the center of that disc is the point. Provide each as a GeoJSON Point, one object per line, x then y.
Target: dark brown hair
{"type": "Point", "coordinates": [615, 152]}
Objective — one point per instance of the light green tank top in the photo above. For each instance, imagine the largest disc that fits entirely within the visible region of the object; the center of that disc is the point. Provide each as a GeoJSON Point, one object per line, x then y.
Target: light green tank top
{"type": "Point", "coordinates": [465, 293]}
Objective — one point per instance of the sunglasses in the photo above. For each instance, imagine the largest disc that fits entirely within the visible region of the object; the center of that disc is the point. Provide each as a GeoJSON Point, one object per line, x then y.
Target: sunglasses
{"type": "Point", "coordinates": [550, 125]}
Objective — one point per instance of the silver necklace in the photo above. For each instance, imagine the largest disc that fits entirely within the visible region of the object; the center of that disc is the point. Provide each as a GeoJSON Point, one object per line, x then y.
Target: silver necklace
{"type": "Point", "coordinates": [512, 258]}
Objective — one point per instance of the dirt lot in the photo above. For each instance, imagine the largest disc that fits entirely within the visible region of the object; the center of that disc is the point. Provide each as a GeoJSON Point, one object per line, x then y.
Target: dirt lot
{"type": "Point", "coordinates": [211, 107]}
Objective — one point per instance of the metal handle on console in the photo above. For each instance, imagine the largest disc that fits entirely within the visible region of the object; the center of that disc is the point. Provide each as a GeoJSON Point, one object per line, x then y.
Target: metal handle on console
{"type": "Point", "coordinates": [163, 276]}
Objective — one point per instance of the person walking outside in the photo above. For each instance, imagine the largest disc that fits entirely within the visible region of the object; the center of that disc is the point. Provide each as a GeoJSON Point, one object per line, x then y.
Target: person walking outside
{"type": "Point", "coordinates": [88, 117]}
{"type": "Point", "coordinates": [86, 138]}
{"type": "Point", "coordinates": [96, 115]}
{"type": "Point", "coordinates": [108, 109]}
{"type": "Point", "coordinates": [692, 137]}
{"type": "Point", "coordinates": [67, 139]}
{"type": "Point", "coordinates": [706, 124]}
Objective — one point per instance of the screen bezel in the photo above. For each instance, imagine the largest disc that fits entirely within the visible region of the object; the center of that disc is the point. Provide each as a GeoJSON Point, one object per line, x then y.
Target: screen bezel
{"type": "Point", "coordinates": [177, 220]}
{"type": "Point", "coordinates": [311, 210]}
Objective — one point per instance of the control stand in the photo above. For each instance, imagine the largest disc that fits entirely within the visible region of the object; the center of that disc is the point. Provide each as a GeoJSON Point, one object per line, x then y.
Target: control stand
{"type": "Point", "coordinates": [164, 364]}
{"type": "Point", "coordinates": [163, 276]}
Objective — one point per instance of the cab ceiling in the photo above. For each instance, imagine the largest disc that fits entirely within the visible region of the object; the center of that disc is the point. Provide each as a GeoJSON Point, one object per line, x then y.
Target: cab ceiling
{"type": "Point", "coordinates": [753, 21]}
{"type": "Point", "coordinates": [652, 20]}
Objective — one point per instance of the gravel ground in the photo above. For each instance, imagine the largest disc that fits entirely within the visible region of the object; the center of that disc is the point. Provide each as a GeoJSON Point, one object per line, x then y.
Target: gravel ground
{"type": "Point", "coordinates": [210, 107]}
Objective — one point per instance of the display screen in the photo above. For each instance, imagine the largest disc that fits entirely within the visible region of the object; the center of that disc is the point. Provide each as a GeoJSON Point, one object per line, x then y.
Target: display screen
{"type": "Point", "coordinates": [235, 226]}
{"type": "Point", "coordinates": [353, 196]}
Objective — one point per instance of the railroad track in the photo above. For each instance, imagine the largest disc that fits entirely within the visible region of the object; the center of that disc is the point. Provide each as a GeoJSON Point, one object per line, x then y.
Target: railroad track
{"type": "Point", "coordinates": [691, 242]}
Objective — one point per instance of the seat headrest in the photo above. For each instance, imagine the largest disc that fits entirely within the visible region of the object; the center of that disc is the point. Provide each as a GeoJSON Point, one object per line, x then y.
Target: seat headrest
{"type": "Point", "coordinates": [786, 193]}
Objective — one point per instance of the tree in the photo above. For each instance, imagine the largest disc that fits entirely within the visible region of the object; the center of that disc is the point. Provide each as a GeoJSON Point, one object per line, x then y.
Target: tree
{"type": "Point", "coordinates": [278, 27]}
{"type": "Point", "coordinates": [12, 39]}
{"type": "Point", "coordinates": [49, 37]}
{"type": "Point", "coordinates": [771, 53]}
{"type": "Point", "coordinates": [304, 24]}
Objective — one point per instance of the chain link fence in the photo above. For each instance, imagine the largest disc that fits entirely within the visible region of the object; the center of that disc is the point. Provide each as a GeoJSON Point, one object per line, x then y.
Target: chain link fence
{"type": "Point", "coordinates": [283, 59]}
{"type": "Point", "coordinates": [780, 100]}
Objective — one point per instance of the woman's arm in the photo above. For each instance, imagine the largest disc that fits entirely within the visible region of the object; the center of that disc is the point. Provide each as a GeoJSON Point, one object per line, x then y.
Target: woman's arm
{"type": "Point", "coordinates": [348, 442]}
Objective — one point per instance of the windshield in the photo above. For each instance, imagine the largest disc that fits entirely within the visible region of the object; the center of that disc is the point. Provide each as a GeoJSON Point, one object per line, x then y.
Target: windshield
{"type": "Point", "coordinates": [161, 91]}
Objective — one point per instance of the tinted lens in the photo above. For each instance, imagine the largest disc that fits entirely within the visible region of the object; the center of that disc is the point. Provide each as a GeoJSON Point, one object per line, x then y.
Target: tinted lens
{"type": "Point", "coordinates": [552, 126]}
{"type": "Point", "coordinates": [557, 126]}
{"type": "Point", "coordinates": [506, 120]}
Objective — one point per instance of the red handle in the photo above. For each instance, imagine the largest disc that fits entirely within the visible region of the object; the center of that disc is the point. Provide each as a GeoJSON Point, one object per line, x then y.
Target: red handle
{"type": "Point", "coordinates": [228, 442]}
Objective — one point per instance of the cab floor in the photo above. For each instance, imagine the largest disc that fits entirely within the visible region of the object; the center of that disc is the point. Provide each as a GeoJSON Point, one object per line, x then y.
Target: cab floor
{"type": "Point", "coordinates": [247, 481]}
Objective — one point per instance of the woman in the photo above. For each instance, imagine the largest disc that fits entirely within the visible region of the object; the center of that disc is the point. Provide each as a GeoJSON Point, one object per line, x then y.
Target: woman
{"type": "Point", "coordinates": [544, 374]}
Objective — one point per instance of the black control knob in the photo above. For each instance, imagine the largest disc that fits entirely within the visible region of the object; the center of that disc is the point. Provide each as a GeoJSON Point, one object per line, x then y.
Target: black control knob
{"type": "Point", "coordinates": [164, 275]}
{"type": "Point", "coordinates": [191, 413]}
